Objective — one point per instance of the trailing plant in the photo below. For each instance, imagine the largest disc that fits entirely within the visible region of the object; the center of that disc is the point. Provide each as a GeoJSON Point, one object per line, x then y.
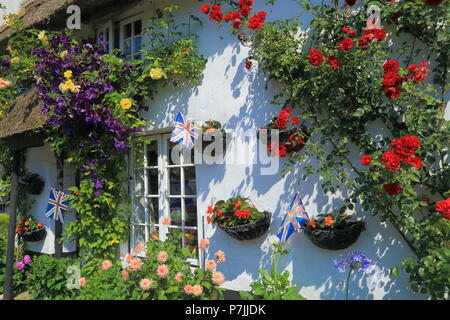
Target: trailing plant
{"type": "Point", "coordinates": [274, 285]}
{"type": "Point", "coordinates": [26, 225]}
{"type": "Point", "coordinates": [345, 79]}
{"type": "Point", "coordinates": [233, 212]}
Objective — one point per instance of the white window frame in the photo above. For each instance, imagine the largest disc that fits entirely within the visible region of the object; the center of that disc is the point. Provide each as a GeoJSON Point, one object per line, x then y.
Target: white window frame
{"type": "Point", "coordinates": [131, 20]}
{"type": "Point", "coordinates": [162, 140]}
{"type": "Point", "coordinates": [103, 29]}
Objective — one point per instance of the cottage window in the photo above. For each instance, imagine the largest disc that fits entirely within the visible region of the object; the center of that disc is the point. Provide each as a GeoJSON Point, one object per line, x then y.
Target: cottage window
{"type": "Point", "coordinates": [106, 32]}
{"type": "Point", "coordinates": [131, 38]}
{"type": "Point", "coordinates": [164, 187]}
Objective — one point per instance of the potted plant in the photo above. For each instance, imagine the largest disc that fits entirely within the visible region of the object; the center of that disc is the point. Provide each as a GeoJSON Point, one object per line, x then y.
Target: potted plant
{"type": "Point", "coordinates": [31, 230]}
{"type": "Point", "coordinates": [333, 231]}
{"type": "Point", "coordinates": [239, 218]}
{"type": "Point", "coordinates": [32, 183]}
{"type": "Point", "coordinates": [292, 137]}
{"type": "Point", "coordinates": [211, 130]}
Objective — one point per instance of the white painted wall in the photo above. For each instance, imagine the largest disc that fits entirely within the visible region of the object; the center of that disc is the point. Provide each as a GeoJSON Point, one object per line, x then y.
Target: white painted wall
{"type": "Point", "coordinates": [42, 161]}
{"type": "Point", "coordinates": [237, 98]}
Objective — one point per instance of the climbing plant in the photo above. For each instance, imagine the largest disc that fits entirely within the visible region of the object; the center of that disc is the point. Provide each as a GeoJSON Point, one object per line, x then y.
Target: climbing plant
{"type": "Point", "coordinates": [347, 80]}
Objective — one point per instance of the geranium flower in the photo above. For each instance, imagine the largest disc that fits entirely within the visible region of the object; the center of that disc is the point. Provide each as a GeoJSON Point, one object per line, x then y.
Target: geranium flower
{"type": "Point", "coordinates": [329, 221]}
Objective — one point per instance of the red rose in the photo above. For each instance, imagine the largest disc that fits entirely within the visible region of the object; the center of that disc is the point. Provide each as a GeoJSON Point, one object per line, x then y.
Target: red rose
{"type": "Point", "coordinates": [365, 160]}
{"type": "Point", "coordinates": [363, 43]}
{"type": "Point", "coordinates": [415, 162]}
{"type": "Point", "coordinates": [392, 160]}
{"type": "Point", "coordinates": [205, 8]}
{"type": "Point", "coordinates": [216, 14]}
{"type": "Point", "coordinates": [391, 66]}
{"type": "Point", "coordinates": [277, 149]}
{"type": "Point", "coordinates": [345, 29]}
{"type": "Point", "coordinates": [346, 44]}
{"type": "Point", "coordinates": [334, 62]}
{"type": "Point", "coordinates": [392, 188]}
{"type": "Point", "coordinates": [380, 34]}
{"type": "Point", "coordinates": [420, 76]}
{"type": "Point", "coordinates": [248, 3]}
{"type": "Point", "coordinates": [392, 92]}
{"type": "Point", "coordinates": [294, 120]}
{"type": "Point", "coordinates": [392, 79]}
{"type": "Point", "coordinates": [413, 68]}
{"type": "Point", "coordinates": [406, 146]}
{"type": "Point", "coordinates": [248, 64]}
{"type": "Point", "coordinates": [352, 33]}
{"type": "Point", "coordinates": [283, 118]}
{"type": "Point", "coordinates": [245, 11]}
{"type": "Point", "coordinates": [257, 22]}
{"type": "Point", "coordinates": [232, 16]}
{"type": "Point", "coordinates": [237, 23]}
{"type": "Point", "coordinates": [443, 206]}
{"type": "Point", "coordinates": [315, 57]}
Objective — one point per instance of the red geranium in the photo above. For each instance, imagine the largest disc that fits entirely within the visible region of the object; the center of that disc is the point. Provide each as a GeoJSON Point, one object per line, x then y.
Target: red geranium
{"type": "Point", "coordinates": [242, 214]}
{"type": "Point", "coordinates": [365, 160]}
{"type": "Point", "coordinates": [294, 120]}
{"type": "Point", "coordinates": [315, 57]}
{"type": "Point", "coordinates": [392, 188]}
{"type": "Point", "coordinates": [205, 8]}
{"type": "Point", "coordinates": [346, 44]}
{"type": "Point", "coordinates": [334, 62]}
{"type": "Point", "coordinates": [283, 118]}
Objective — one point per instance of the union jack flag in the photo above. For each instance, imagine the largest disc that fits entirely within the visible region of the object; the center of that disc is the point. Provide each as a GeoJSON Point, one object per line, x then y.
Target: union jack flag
{"type": "Point", "coordinates": [57, 205]}
{"type": "Point", "coordinates": [184, 132]}
{"type": "Point", "coordinates": [295, 218]}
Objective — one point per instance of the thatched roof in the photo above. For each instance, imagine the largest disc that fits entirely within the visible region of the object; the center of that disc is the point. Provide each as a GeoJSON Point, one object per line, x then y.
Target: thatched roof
{"type": "Point", "coordinates": [37, 11]}
{"type": "Point", "coordinates": [24, 115]}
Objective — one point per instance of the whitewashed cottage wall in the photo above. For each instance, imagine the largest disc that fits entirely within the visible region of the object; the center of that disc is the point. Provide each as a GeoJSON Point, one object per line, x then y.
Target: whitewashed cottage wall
{"type": "Point", "coordinates": [238, 99]}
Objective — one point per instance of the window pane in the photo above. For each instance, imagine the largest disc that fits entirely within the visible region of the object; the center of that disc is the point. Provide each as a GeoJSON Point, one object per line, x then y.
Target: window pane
{"type": "Point", "coordinates": [153, 233]}
{"type": "Point", "coordinates": [152, 154]}
{"type": "Point", "coordinates": [174, 153]}
{"type": "Point", "coordinates": [153, 210]}
{"type": "Point", "coordinates": [175, 181]}
{"type": "Point", "coordinates": [175, 211]}
{"type": "Point", "coordinates": [139, 182]}
{"type": "Point", "coordinates": [137, 44]}
{"type": "Point", "coordinates": [190, 186]}
{"type": "Point", "coordinates": [137, 27]}
{"type": "Point", "coordinates": [106, 35]}
{"type": "Point", "coordinates": [153, 182]}
{"type": "Point", "coordinates": [139, 210]}
{"type": "Point", "coordinates": [191, 241]}
{"type": "Point", "coordinates": [138, 234]}
{"type": "Point", "coordinates": [190, 215]}
{"type": "Point", "coordinates": [117, 35]}
{"type": "Point", "coordinates": [127, 30]}
{"type": "Point", "coordinates": [127, 47]}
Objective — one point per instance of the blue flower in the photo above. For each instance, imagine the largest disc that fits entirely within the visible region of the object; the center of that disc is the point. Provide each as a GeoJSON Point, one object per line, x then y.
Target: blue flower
{"type": "Point", "coordinates": [356, 260]}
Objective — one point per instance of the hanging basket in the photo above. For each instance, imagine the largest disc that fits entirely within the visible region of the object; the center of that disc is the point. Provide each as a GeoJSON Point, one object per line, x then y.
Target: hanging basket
{"type": "Point", "coordinates": [32, 183]}
{"type": "Point", "coordinates": [337, 238]}
{"type": "Point", "coordinates": [249, 231]}
{"type": "Point", "coordinates": [284, 138]}
{"type": "Point", "coordinates": [210, 140]}
{"type": "Point", "coordinates": [35, 235]}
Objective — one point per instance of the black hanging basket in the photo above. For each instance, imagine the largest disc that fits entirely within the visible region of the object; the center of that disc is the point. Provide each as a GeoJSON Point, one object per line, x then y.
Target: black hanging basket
{"type": "Point", "coordinates": [284, 137]}
{"type": "Point", "coordinates": [337, 238]}
{"type": "Point", "coordinates": [35, 235]}
{"type": "Point", "coordinates": [32, 183]}
{"type": "Point", "coordinates": [249, 231]}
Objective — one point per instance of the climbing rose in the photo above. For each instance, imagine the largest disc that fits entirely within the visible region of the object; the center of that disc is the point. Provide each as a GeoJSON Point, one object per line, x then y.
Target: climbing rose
{"type": "Point", "coordinates": [392, 79]}
{"type": "Point", "coordinates": [392, 160]}
{"type": "Point", "coordinates": [334, 62]}
{"type": "Point", "coordinates": [283, 118]}
{"type": "Point", "coordinates": [205, 8]}
{"type": "Point", "coordinates": [444, 207]}
{"type": "Point", "coordinates": [346, 44]}
{"type": "Point", "coordinates": [406, 146]}
{"type": "Point", "coordinates": [257, 22]}
{"type": "Point", "coordinates": [277, 149]}
{"type": "Point", "coordinates": [415, 162]}
{"type": "Point", "coordinates": [315, 57]}
{"type": "Point", "coordinates": [216, 14]}
{"type": "Point", "coordinates": [237, 23]}
{"type": "Point", "coordinates": [391, 66]}
{"type": "Point", "coordinates": [392, 92]}
{"type": "Point", "coordinates": [366, 160]}
{"type": "Point", "coordinates": [392, 188]}
{"type": "Point", "coordinates": [245, 11]}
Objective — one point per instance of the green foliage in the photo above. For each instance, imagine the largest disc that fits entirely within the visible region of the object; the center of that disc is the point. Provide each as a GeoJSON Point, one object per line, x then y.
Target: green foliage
{"type": "Point", "coordinates": [49, 278]}
{"type": "Point", "coordinates": [274, 285]}
{"type": "Point", "coordinates": [339, 104]}
{"type": "Point", "coordinates": [235, 211]}
{"type": "Point", "coordinates": [4, 221]}
{"type": "Point", "coordinates": [110, 285]}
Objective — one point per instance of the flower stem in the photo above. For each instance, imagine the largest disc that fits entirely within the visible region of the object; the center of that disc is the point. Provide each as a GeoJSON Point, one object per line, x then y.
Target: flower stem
{"type": "Point", "coordinates": [348, 280]}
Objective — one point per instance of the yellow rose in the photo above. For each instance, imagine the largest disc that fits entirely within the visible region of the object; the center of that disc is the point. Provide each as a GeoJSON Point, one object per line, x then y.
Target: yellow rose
{"type": "Point", "coordinates": [15, 60]}
{"type": "Point", "coordinates": [125, 103]}
{"type": "Point", "coordinates": [157, 73]}
{"type": "Point", "coordinates": [64, 53]}
{"type": "Point", "coordinates": [68, 74]}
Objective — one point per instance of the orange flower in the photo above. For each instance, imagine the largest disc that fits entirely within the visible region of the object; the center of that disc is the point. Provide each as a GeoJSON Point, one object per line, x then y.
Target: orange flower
{"type": "Point", "coordinates": [312, 223]}
{"type": "Point", "coordinates": [329, 221]}
{"type": "Point", "coordinates": [219, 213]}
{"type": "Point", "coordinates": [26, 223]}
{"type": "Point", "coordinates": [40, 225]}
{"type": "Point", "coordinates": [237, 204]}
{"type": "Point", "coordinates": [210, 209]}
{"type": "Point", "coordinates": [208, 219]}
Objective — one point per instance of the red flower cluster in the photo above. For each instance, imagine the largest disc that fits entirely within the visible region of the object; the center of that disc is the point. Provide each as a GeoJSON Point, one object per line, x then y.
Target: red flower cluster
{"type": "Point", "coordinates": [444, 207]}
{"type": "Point", "coordinates": [346, 44]}
{"type": "Point", "coordinates": [237, 17]}
{"type": "Point", "coordinates": [334, 62]}
{"type": "Point", "coordinates": [404, 151]}
{"type": "Point", "coordinates": [417, 73]}
{"type": "Point", "coordinates": [242, 214]}
{"type": "Point", "coordinates": [283, 118]}
{"type": "Point", "coordinates": [371, 35]}
{"type": "Point", "coordinates": [315, 57]}
{"type": "Point", "coordinates": [277, 149]}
